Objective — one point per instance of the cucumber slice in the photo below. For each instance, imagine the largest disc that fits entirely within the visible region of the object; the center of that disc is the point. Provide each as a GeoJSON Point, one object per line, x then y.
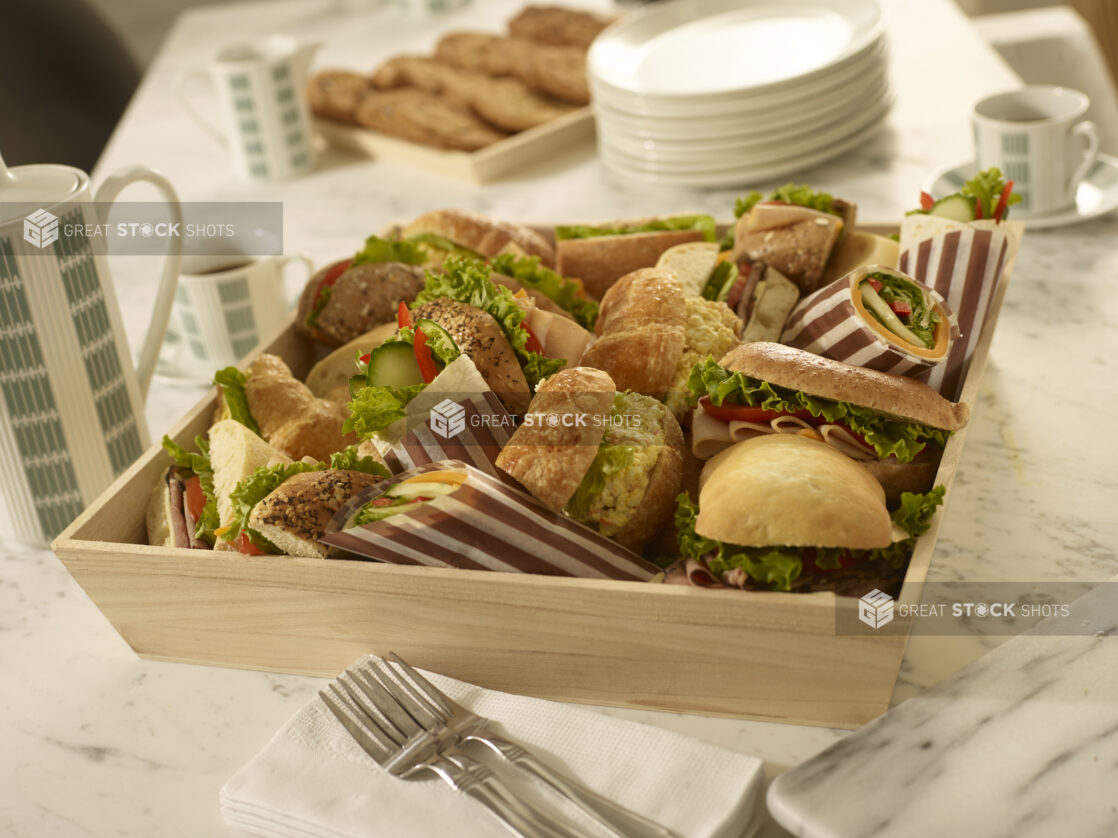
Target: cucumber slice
{"type": "Point", "coordinates": [956, 207]}
{"type": "Point", "coordinates": [409, 491]}
{"type": "Point", "coordinates": [379, 513]}
{"type": "Point", "coordinates": [888, 318]}
{"type": "Point", "coordinates": [393, 365]}
{"type": "Point", "coordinates": [721, 280]}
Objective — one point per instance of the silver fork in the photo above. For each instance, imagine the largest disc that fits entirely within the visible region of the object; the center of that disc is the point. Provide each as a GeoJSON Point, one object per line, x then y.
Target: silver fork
{"type": "Point", "coordinates": [441, 715]}
{"type": "Point", "coordinates": [348, 700]}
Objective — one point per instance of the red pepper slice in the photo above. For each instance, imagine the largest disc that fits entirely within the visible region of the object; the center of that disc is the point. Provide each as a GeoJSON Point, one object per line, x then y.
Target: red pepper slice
{"type": "Point", "coordinates": [875, 284]}
{"type": "Point", "coordinates": [901, 307]}
{"type": "Point", "coordinates": [1003, 201]}
{"type": "Point", "coordinates": [365, 358]}
{"type": "Point", "coordinates": [194, 497]}
{"type": "Point", "coordinates": [381, 501]}
{"type": "Point", "coordinates": [926, 201]}
{"type": "Point", "coordinates": [423, 357]}
{"type": "Point", "coordinates": [403, 316]}
{"type": "Point", "coordinates": [977, 209]}
{"type": "Point", "coordinates": [745, 413]}
{"type": "Point", "coordinates": [244, 545]}
{"type": "Point", "coordinates": [533, 344]}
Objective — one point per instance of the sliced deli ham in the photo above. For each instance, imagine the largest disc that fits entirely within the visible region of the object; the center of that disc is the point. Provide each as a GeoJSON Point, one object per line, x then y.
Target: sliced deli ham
{"type": "Point", "coordinates": [709, 436]}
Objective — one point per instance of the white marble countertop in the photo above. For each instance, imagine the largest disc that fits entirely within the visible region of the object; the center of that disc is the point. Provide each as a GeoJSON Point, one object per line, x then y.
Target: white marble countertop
{"type": "Point", "coordinates": [98, 742]}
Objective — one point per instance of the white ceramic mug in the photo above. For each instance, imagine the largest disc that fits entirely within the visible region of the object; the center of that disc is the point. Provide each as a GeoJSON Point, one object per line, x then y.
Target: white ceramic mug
{"type": "Point", "coordinates": [225, 306]}
{"type": "Point", "coordinates": [71, 403]}
{"type": "Point", "coordinates": [259, 88]}
{"type": "Point", "coordinates": [1039, 139]}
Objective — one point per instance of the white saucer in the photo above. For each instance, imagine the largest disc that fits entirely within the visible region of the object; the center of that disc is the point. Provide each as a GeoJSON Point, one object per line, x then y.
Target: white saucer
{"type": "Point", "coordinates": [169, 369]}
{"type": "Point", "coordinates": [1097, 194]}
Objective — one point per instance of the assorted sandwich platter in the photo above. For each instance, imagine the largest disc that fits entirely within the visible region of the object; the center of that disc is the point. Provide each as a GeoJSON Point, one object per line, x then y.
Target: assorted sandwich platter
{"type": "Point", "coordinates": [583, 609]}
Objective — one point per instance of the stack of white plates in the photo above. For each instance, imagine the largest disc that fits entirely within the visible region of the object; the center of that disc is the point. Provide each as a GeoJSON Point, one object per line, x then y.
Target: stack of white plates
{"type": "Point", "coordinates": [723, 92]}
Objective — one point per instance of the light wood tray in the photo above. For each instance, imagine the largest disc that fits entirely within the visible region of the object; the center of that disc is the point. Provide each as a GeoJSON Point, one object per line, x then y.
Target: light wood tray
{"type": "Point", "coordinates": [763, 655]}
{"type": "Point", "coordinates": [490, 163]}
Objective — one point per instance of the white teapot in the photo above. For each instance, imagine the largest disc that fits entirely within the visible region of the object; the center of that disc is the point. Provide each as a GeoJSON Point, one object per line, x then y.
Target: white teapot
{"type": "Point", "coordinates": [71, 403]}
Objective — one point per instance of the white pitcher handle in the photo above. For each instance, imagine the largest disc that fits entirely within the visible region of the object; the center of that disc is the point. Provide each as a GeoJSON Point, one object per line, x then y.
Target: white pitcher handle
{"type": "Point", "coordinates": [308, 263]}
{"type": "Point", "coordinates": [172, 264]}
{"type": "Point", "coordinates": [1090, 154]}
{"type": "Point", "coordinates": [184, 79]}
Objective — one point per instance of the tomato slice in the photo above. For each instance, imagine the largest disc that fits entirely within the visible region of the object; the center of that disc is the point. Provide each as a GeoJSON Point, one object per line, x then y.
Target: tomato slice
{"type": "Point", "coordinates": [926, 201]}
{"type": "Point", "coordinates": [403, 316]}
{"type": "Point", "coordinates": [244, 545]}
{"type": "Point", "coordinates": [533, 344]}
{"type": "Point", "coordinates": [195, 498]}
{"type": "Point", "coordinates": [745, 413]}
{"type": "Point", "coordinates": [900, 307]}
{"type": "Point", "coordinates": [381, 501]}
{"type": "Point", "coordinates": [335, 272]}
{"type": "Point", "coordinates": [875, 284]}
{"type": "Point", "coordinates": [423, 357]}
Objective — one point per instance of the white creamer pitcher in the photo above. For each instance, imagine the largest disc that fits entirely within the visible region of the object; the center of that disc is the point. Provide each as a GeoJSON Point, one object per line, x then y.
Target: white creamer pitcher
{"type": "Point", "coordinates": [71, 403]}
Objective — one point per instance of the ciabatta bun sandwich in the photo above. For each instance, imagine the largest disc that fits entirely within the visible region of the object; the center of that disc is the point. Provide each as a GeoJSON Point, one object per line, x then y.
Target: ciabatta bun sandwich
{"type": "Point", "coordinates": [650, 335]}
{"type": "Point", "coordinates": [897, 426]}
{"type": "Point", "coordinates": [758, 294]}
{"type": "Point", "coordinates": [788, 513]}
{"type": "Point", "coordinates": [611, 460]}
{"type": "Point", "coordinates": [601, 254]}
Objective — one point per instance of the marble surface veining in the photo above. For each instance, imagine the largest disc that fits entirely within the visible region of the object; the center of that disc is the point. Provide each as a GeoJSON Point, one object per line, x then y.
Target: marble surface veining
{"type": "Point", "coordinates": [1023, 743]}
{"type": "Point", "coordinates": [96, 742]}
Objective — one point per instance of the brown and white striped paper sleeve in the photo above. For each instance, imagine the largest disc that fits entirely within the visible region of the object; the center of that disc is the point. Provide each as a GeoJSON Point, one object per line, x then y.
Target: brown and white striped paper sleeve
{"type": "Point", "coordinates": [472, 430]}
{"type": "Point", "coordinates": [484, 525]}
{"type": "Point", "coordinates": [964, 263]}
{"type": "Point", "coordinates": [828, 323]}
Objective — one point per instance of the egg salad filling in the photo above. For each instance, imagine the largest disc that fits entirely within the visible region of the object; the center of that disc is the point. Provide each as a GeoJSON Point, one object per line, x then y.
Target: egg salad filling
{"type": "Point", "coordinates": [710, 331]}
{"type": "Point", "coordinates": [614, 485]}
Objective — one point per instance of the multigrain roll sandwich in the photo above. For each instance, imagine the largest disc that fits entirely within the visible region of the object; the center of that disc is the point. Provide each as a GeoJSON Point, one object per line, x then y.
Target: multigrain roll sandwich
{"type": "Point", "coordinates": [895, 426]}
{"type": "Point", "coordinates": [794, 230]}
{"type": "Point", "coordinates": [602, 253]}
{"type": "Point", "coordinates": [349, 297]}
{"type": "Point", "coordinates": [650, 335]}
{"type": "Point", "coordinates": [789, 513]}
{"type": "Point", "coordinates": [610, 460]}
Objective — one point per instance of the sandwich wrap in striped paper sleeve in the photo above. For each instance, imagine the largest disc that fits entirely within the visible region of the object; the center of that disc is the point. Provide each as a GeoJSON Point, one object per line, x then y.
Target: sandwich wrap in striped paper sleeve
{"type": "Point", "coordinates": [484, 524]}
{"type": "Point", "coordinates": [834, 323]}
{"type": "Point", "coordinates": [472, 430]}
{"type": "Point", "coordinates": [965, 263]}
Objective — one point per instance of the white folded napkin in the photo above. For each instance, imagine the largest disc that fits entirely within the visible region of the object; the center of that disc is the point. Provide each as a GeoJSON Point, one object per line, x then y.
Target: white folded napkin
{"type": "Point", "coordinates": [313, 779]}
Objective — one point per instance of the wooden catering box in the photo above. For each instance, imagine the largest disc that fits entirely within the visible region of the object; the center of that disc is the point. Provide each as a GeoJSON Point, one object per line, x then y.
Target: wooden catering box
{"type": "Point", "coordinates": [762, 655]}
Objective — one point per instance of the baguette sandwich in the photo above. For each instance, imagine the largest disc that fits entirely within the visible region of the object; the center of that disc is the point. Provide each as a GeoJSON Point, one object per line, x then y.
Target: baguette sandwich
{"type": "Point", "coordinates": [650, 335]}
{"type": "Point", "coordinates": [611, 460]}
{"type": "Point", "coordinates": [895, 426]}
{"type": "Point", "coordinates": [601, 254]}
{"type": "Point", "coordinates": [789, 513]}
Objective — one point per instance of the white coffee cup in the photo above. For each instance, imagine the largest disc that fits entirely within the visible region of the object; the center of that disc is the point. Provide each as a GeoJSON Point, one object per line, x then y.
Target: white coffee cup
{"type": "Point", "coordinates": [259, 89]}
{"type": "Point", "coordinates": [225, 306]}
{"type": "Point", "coordinates": [71, 403]}
{"type": "Point", "coordinates": [1039, 139]}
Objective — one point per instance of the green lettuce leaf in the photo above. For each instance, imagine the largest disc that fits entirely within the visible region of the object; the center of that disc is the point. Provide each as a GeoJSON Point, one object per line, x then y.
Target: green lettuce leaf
{"type": "Point", "coordinates": [467, 281]}
{"type": "Point", "coordinates": [565, 293]}
{"type": "Point", "coordinates": [610, 460]}
{"type": "Point", "coordinates": [254, 489]}
{"type": "Point", "coordinates": [442, 345]}
{"type": "Point", "coordinates": [986, 189]}
{"type": "Point", "coordinates": [770, 567]}
{"type": "Point", "coordinates": [888, 436]}
{"type": "Point", "coordinates": [232, 383]}
{"type": "Point", "coordinates": [703, 223]}
{"type": "Point", "coordinates": [915, 512]}
{"type": "Point", "coordinates": [349, 460]}
{"type": "Point", "coordinates": [377, 249]}
{"type": "Point", "coordinates": [199, 464]}
{"type": "Point", "coordinates": [800, 195]}
{"type": "Point", "coordinates": [375, 408]}
{"type": "Point", "coordinates": [433, 241]}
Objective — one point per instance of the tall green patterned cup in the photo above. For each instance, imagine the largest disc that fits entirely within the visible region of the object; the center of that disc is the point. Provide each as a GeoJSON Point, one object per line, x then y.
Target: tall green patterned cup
{"type": "Point", "coordinates": [71, 403]}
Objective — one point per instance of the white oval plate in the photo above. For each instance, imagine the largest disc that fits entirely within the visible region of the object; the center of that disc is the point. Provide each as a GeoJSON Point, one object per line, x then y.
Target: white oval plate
{"type": "Point", "coordinates": [689, 48]}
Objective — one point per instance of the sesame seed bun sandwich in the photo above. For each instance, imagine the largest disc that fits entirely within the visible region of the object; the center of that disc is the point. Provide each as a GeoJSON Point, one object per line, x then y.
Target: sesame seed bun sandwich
{"type": "Point", "coordinates": [895, 426]}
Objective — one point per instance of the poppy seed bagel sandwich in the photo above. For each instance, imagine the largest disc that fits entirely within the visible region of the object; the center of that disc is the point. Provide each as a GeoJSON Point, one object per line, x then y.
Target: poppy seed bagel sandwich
{"type": "Point", "coordinates": [613, 461]}
{"type": "Point", "coordinates": [767, 388]}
